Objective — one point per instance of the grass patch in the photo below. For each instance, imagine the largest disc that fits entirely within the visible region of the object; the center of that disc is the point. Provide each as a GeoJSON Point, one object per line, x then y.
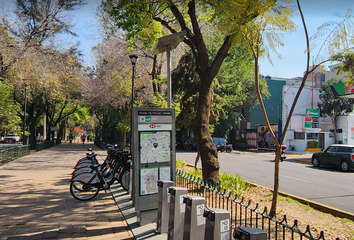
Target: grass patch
{"type": "Point", "coordinates": [230, 182]}
{"type": "Point", "coordinates": [233, 183]}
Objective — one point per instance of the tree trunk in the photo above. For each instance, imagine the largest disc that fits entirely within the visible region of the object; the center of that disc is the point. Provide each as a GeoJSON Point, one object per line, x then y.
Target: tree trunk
{"type": "Point", "coordinates": [335, 125]}
{"type": "Point", "coordinates": [208, 153]}
{"type": "Point", "coordinates": [122, 136]}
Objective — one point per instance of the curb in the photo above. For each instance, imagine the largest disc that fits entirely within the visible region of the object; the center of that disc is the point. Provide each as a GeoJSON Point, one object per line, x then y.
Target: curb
{"type": "Point", "coordinates": [317, 206]}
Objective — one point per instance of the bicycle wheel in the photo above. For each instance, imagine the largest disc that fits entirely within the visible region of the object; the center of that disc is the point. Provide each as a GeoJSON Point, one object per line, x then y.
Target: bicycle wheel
{"type": "Point", "coordinates": [82, 191]}
{"type": "Point", "coordinates": [124, 179]}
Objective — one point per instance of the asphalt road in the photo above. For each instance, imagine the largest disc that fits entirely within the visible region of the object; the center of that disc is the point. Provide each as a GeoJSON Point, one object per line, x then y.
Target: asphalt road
{"type": "Point", "coordinates": [328, 186]}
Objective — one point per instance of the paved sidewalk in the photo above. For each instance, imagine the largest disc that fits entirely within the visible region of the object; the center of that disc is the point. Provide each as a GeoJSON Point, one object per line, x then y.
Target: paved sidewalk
{"type": "Point", "coordinates": [35, 201]}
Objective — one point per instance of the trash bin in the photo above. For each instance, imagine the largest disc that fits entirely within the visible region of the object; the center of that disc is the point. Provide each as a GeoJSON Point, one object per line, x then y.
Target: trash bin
{"type": "Point", "coordinates": [247, 233]}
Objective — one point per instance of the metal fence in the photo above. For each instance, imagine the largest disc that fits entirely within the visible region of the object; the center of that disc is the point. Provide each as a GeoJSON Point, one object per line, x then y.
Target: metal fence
{"type": "Point", "coordinates": [13, 152]}
{"type": "Point", "coordinates": [244, 213]}
{"type": "Point", "coordinates": [9, 154]}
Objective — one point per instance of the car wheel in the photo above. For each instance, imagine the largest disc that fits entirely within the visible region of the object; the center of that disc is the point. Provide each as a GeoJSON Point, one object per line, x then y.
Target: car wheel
{"type": "Point", "coordinates": [315, 162]}
{"type": "Point", "coordinates": [345, 166]}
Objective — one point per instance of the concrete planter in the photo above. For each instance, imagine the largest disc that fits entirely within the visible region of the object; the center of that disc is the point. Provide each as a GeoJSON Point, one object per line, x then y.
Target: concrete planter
{"type": "Point", "coordinates": [313, 149]}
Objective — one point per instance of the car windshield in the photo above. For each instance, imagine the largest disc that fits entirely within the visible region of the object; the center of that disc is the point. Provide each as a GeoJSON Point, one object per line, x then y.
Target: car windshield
{"type": "Point", "coordinates": [331, 149]}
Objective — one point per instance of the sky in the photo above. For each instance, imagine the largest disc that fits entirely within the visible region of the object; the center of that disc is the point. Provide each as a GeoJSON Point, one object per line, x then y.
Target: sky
{"type": "Point", "coordinates": [292, 64]}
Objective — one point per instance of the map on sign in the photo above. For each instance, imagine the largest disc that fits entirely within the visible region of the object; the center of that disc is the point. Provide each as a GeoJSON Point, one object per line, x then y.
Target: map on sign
{"type": "Point", "coordinates": [148, 180]}
{"type": "Point", "coordinates": [155, 147]}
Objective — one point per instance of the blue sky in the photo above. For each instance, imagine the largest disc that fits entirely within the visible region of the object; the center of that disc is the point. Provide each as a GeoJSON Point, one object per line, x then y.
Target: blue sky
{"type": "Point", "coordinates": [292, 64]}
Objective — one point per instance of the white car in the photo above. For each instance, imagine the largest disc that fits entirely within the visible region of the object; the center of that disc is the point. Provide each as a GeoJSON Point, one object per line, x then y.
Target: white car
{"type": "Point", "coordinates": [11, 138]}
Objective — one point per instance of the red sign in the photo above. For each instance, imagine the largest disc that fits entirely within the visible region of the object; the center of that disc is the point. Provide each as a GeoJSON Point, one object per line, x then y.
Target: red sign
{"type": "Point", "coordinates": [308, 119]}
{"type": "Point", "coordinates": [152, 126]}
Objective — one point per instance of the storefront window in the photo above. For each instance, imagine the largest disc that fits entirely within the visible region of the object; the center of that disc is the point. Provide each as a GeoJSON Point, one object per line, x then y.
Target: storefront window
{"type": "Point", "coordinates": [299, 135]}
{"type": "Point", "coordinates": [312, 136]}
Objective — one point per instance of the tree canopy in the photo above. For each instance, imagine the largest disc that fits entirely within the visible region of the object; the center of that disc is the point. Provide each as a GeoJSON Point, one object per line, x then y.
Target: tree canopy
{"type": "Point", "coordinates": [145, 21]}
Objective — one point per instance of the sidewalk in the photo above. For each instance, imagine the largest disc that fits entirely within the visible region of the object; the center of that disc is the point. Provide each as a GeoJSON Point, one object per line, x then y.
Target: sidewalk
{"type": "Point", "coordinates": [35, 201]}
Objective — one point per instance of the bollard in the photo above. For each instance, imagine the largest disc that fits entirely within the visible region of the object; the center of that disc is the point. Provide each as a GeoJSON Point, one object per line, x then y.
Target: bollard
{"type": "Point", "coordinates": [247, 233]}
{"type": "Point", "coordinates": [194, 221]}
{"type": "Point", "coordinates": [177, 213]}
{"type": "Point", "coordinates": [217, 225]}
{"type": "Point", "coordinates": [163, 209]}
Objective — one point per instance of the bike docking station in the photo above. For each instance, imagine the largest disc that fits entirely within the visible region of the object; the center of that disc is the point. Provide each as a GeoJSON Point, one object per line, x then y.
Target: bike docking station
{"type": "Point", "coordinates": [194, 221]}
{"type": "Point", "coordinates": [154, 158]}
{"type": "Point", "coordinates": [163, 210]}
{"type": "Point", "coordinates": [218, 226]}
{"type": "Point", "coordinates": [177, 213]}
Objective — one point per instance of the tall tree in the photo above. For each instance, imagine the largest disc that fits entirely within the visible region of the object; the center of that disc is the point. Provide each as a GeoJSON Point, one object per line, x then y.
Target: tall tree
{"type": "Point", "coordinates": [8, 109]}
{"type": "Point", "coordinates": [143, 20]}
{"type": "Point", "coordinates": [34, 24]}
{"type": "Point", "coordinates": [333, 107]}
{"type": "Point", "coordinates": [26, 47]}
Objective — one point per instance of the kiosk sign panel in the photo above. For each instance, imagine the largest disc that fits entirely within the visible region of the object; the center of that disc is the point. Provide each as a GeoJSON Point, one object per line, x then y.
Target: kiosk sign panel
{"type": "Point", "coordinates": [153, 154]}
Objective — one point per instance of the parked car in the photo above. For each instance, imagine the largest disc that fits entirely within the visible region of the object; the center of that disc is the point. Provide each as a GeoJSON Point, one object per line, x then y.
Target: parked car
{"type": "Point", "coordinates": [190, 144]}
{"type": "Point", "coordinates": [179, 144]}
{"type": "Point", "coordinates": [336, 155]}
{"type": "Point", "coordinates": [11, 138]}
{"type": "Point", "coordinates": [40, 139]}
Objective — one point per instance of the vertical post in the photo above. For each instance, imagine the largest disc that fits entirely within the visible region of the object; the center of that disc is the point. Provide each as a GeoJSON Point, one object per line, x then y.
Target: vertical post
{"type": "Point", "coordinates": [169, 89]}
{"type": "Point", "coordinates": [24, 117]}
{"type": "Point", "coordinates": [133, 59]}
{"type": "Point", "coordinates": [131, 126]}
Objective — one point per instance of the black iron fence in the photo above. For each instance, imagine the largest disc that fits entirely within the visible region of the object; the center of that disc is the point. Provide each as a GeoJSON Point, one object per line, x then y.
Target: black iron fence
{"type": "Point", "coordinates": [9, 154]}
{"type": "Point", "coordinates": [244, 213]}
{"type": "Point", "coordinates": [13, 152]}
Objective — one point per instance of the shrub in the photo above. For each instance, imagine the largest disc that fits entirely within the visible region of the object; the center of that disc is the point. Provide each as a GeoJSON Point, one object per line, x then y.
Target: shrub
{"type": "Point", "coordinates": [312, 144]}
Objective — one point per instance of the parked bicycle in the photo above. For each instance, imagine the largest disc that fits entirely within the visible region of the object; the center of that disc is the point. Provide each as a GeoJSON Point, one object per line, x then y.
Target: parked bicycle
{"type": "Point", "coordinates": [91, 177]}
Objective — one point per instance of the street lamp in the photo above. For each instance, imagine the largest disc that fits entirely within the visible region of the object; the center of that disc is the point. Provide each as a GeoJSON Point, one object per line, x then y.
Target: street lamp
{"type": "Point", "coordinates": [24, 117]}
{"type": "Point", "coordinates": [133, 59]}
{"type": "Point", "coordinates": [166, 44]}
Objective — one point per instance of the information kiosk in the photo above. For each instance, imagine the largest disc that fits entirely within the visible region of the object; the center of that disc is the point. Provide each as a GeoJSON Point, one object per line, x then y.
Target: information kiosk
{"type": "Point", "coordinates": [154, 158]}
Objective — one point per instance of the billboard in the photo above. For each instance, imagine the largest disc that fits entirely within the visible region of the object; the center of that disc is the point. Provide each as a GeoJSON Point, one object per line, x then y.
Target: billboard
{"type": "Point", "coordinates": [264, 138]}
{"type": "Point", "coordinates": [342, 90]}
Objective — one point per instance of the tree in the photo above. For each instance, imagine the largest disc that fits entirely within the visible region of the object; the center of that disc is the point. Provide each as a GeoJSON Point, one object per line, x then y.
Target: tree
{"type": "Point", "coordinates": [333, 107]}
{"type": "Point", "coordinates": [26, 50]}
{"type": "Point", "coordinates": [144, 21]}
{"type": "Point", "coordinates": [8, 109]}
{"type": "Point", "coordinates": [108, 90]}
{"type": "Point", "coordinates": [34, 24]}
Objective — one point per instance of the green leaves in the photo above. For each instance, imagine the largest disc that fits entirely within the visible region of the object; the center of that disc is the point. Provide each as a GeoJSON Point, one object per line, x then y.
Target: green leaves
{"type": "Point", "coordinates": [331, 106]}
{"type": "Point", "coordinates": [9, 118]}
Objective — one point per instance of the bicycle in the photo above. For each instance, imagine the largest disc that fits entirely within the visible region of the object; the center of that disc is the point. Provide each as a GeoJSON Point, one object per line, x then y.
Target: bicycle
{"type": "Point", "coordinates": [86, 186]}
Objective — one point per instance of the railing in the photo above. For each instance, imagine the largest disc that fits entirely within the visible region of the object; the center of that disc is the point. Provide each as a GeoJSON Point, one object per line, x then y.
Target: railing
{"type": "Point", "coordinates": [100, 144]}
{"type": "Point", "coordinates": [12, 153]}
{"type": "Point", "coordinates": [242, 213]}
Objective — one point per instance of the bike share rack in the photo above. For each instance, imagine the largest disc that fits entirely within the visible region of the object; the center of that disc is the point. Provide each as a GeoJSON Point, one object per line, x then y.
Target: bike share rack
{"type": "Point", "coordinates": [163, 209]}
{"type": "Point", "coordinates": [187, 217]}
{"type": "Point", "coordinates": [177, 213]}
{"type": "Point", "coordinates": [194, 222]}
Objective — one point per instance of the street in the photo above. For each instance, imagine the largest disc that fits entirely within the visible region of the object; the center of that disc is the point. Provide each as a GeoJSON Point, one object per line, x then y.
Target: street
{"type": "Point", "coordinates": [324, 185]}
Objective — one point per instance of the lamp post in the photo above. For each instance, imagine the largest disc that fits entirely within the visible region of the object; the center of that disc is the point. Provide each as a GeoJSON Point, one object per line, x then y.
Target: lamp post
{"type": "Point", "coordinates": [166, 44]}
{"type": "Point", "coordinates": [133, 59]}
{"type": "Point", "coordinates": [24, 117]}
